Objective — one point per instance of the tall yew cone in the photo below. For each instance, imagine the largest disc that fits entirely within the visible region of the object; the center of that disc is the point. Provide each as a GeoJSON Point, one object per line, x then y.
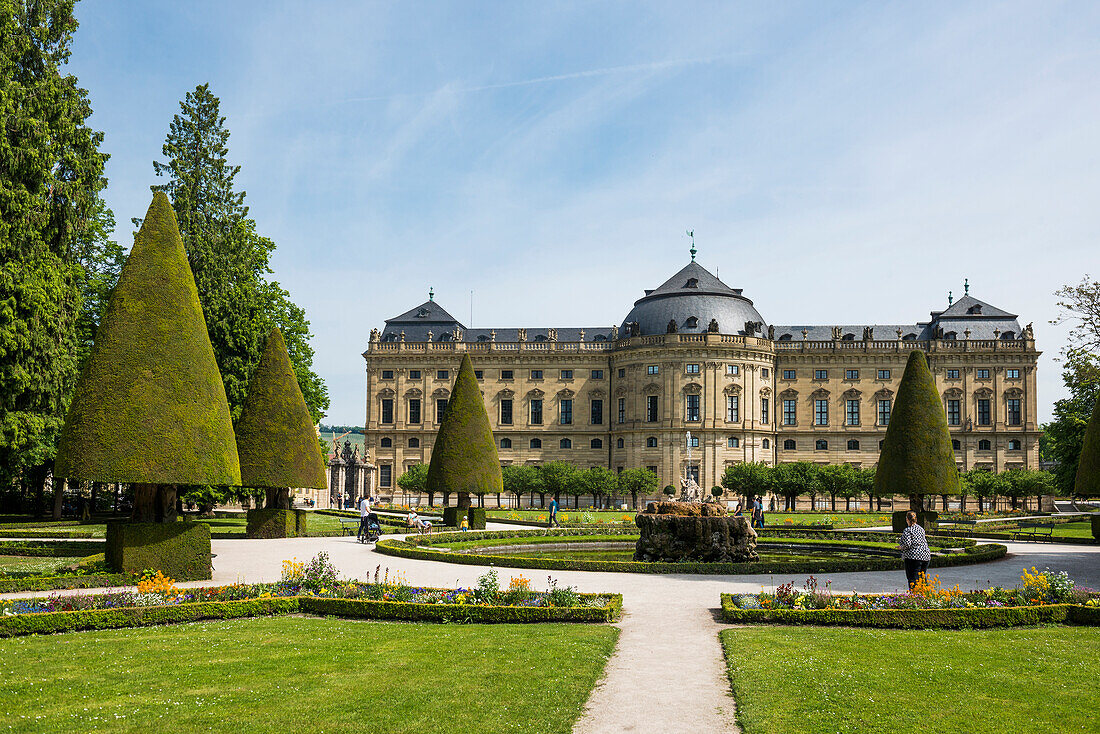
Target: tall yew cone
{"type": "Point", "coordinates": [464, 457]}
{"type": "Point", "coordinates": [276, 441]}
{"type": "Point", "coordinates": [149, 407]}
{"type": "Point", "coordinates": [916, 457]}
{"type": "Point", "coordinates": [1087, 482]}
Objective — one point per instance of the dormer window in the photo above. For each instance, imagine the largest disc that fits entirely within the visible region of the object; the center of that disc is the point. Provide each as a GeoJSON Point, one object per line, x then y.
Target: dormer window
{"type": "Point", "coordinates": [691, 323]}
{"type": "Point", "coordinates": [540, 338]}
{"type": "Point", "coordinates": [951, 336]}
{"type": "Point", "coordinates": [909, 337]}
{"type": "Point", "coordinates": [849, 337]}
{"type": "Point", "coordinates": [692, 283]}
{"type": "Point", "coordinates": [1008, 336]}
{"type": "Point", "coordinates": [445, 337]}
{"type": "Point", "coordinates": [784, 337]}
{"type": "Point", "coordinates": [975, 309]}
{"type": "Point", "coordinates": [483, 338]}
{"type": "Point", "coordinates": [422, 313]}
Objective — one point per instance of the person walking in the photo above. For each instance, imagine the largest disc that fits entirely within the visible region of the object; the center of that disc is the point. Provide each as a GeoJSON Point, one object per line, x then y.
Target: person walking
{"type": "Point", "coordinates": [757, 513]}
{"type": "Point", "coordinates": [554, 512]}
{"type": "Point", "coordinates": [914, 549]}
{"type": "Point", "coordinates": [364, 510]}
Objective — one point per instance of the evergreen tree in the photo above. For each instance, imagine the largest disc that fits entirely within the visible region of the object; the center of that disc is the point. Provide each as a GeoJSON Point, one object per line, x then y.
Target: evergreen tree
{"type": "Point", "coordinates": [230, 260]}
{"type": "Point", "coordinates": [1065, 434]}
{"type": "Point", "coordinates": [1087, 483]}
{"type": "Point", "coordinates": [916, 457]}
{"type": "Point", "coordinates": [50, 173]}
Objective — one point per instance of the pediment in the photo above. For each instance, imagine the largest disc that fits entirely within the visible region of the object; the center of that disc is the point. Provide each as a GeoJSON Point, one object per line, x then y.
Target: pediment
{"type": "Point", "coordinates": [983, 392]}
{"type": "Point", "coordinates": [621, 391]}
{"type": "Point", "coordinates": [652, 387]}
{"type": "Point", "coordinates": [565, 394]}
{"type": "Point", "coordinates": [884, 394]}
{"type": "Point", "coordinates": [953, 393]}
{"type": "Point", "coordinates": [819, 394]}
{"type": "Point", "coordinates": [597, 393]}
{"type": "Point", "coordinates": [852, 394]}
{"type": "Point", "coordinates": [1014, 392]}
{"type": "Point", "coordinates": [732, 390]}
{"type": "Point", "coordinates": [441, 393]}
{"type": "Point", "coordinates": [535, 393]}
{"type": "Point", "coordinates": [386, 393]}
{"type": "Point", "coordinates": [789, 394]}
{"type": "Point", "coordinates": [693, 387]}
{"type": "Point", "coordinates": [413, 392]}
{"type": "Point", "coordinates": [765, 391]}
{"type": "Point", "coordinates": [505, 394]}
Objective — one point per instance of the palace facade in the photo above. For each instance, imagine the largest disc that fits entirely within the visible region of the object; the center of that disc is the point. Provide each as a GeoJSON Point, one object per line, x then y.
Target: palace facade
{"type": "Point", "coordinates": [694, 356]}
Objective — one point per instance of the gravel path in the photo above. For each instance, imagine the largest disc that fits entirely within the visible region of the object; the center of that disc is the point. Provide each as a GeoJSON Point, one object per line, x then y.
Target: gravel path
{"type": "Point", "coordinates": [667, 673]}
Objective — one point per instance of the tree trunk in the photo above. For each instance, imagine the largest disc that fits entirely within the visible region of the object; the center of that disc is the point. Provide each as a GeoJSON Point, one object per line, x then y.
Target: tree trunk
{"type": "Point", "coordinates": [144, 497]}
{"type": "Point", "coordinates": [981, 503]}
{"type": "Point", "coordinates": [916, 503]}
{"type": "Point", "coordinates": [165, 503]}
{"type": "Point", "coordinates": [834, 502]}
{"type": "Point", "coordinates": [463, 499]}
{"type": "Point", "coordinates": [58, 497]}
{"type": "Point", "coordinates": [271, 498]}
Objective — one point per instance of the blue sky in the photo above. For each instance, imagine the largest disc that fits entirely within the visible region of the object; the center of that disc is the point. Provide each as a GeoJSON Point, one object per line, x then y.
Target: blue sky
{"type": "Point", "coordinates": [841, 162]}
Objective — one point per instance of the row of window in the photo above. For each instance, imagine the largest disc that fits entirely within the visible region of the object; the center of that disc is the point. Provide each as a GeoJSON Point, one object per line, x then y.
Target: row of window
{"type": "Point", "coordinates": [822, 444]}
{"type": "Point", "coordinates": [823, 374]}
{"type": "Point", "coordinates": [821, 412]}
{"type": "Point", "coordinates": [692, 368]}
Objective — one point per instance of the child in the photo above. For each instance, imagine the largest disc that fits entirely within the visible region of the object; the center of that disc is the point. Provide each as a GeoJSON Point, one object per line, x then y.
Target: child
{"type": "Point", "coordinates": [465, 525]}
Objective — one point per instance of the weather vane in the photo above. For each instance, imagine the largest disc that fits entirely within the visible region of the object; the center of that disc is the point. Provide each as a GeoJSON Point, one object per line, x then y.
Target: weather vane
{"type": "Point", "coordinates": [691, 234]}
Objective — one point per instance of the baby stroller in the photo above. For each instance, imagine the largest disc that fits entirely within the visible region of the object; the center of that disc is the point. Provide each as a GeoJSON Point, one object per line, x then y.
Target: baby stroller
{"type": "Point", "coordinates": [373, 530]}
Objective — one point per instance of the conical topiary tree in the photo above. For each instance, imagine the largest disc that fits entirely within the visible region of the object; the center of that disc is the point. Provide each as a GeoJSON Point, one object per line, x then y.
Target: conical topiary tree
{"type": "Point", "coordinates": [464, 457]}
{"type": "Point", "coordinates": [276, 440]}
{"type": "Point", "coordinates": [149, 407]}
{"type": "Point", "coordinates": [1087, 482]}
{"type": "Point", "coordinates": [916, 457]}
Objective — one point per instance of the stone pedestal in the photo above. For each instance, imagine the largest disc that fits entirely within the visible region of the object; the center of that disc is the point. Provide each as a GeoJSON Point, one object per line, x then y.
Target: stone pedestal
{"type": "Point", "coordinates": [693, 531]}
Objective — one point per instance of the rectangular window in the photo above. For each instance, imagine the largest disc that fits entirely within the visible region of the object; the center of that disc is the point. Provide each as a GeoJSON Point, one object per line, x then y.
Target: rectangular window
{"type": "Point", "coordinates": [622, 372]}
{"type": "Point", "coordinates": [1012, 374]}
{"type": "Point", "coordinates": [414, 410]}
{"type": "Point", "coordinates": [387, 374]}
{"type": "Point", "coordinates": [479, 374]}
{"type": "Point", "coordinates": [851, 412]}
{"type": "Point", "coordinates": [536, 412]}
{"type": "Point", "coordinates": [536, 374]}
{"type": "Point", "coordinates": [952, 374]}
{"type": "Point", "coordinates": [884, 412]}
{"type": "Point", "coordinates": [567, 374]}
{"type": "Point", "coordinates": [788, 374]}
{"type": "Point", "coordinates": [733, 408]}
{"type": "Point", "coordinates": [790, 412]}
{"type": "Point", "coordinates": [442, 375]}
{"type": "Point", "coordinates": [440, 409]}
{"type": "Point", "coordinates": [693, 368]}
{"type": "Point", "coordinates": [597, 412]}
{"type": "Point", "coordinates": [982, 374]}
{"type": "Point", "coordinates": [764, 417]}
{"type": "Point", "coordinates": [597, 374]}
{"type": "Point", "coordinates": [387, 410]}
{"type": "Point", "coordinates": [732, 369]}
{"type": "Point", "coordinates": [565, 411]}
{"type": "Point", "coordinates": [414, 374]}
{"type": "Point", "coordinates": [821, 412]}
{"type": "Point", "coordinates": [692, 412]}
{"type": "Point", "coordinates": [622, 410]}
{"type": "Point", "coordinates": [506, 412]}
{"type": "Point", "coordinates": [764, 372]}
{"type": "Point", "coordinates": [1013, 412]}
{"type": "Point", "coordinates": [954, 412]}
{"type": "Point", "coordinates": [652, 469]}
{"type": "Point", "coordinates": [884, 374]}
{"type": "Point", "coordinates": [385, 475]}
{"type": "Point", "coordinates": [821, 374]}
{"type": "Point", "coordinates": [851, 374]}
{"type": "Point", "coordinates": [506, 374]}
{"type": "Point", "coordinates": [651, 369]}
{"type": "Point", "coordinates": [651, 408]}
{"type": "Point", "coordinates": [985, 415]}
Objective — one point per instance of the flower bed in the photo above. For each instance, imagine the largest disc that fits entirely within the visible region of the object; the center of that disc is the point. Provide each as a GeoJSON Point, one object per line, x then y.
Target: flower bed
{"type": "Point", "coordinates": [1045, 597]}
{"type": "Point", "coordinates": [307, 588]}
{"type": "Point", "coordinates": [414, 547]}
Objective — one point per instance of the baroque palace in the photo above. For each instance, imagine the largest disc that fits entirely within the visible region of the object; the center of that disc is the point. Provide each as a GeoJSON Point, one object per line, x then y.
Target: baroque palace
{"type": "Point", "coordinates": [694, 356]}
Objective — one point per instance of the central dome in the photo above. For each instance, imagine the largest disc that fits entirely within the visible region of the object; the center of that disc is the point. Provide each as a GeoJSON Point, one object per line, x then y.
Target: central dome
{"type": "Point", "coordinates": [693, 298]}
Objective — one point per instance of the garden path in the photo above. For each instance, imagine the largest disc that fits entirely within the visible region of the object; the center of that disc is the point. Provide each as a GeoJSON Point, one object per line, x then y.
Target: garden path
{"type": "Point", "coordinates": [667, 673]}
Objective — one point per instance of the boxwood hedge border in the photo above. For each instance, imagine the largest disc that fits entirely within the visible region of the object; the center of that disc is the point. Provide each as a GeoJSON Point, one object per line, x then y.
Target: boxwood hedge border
{"type": "Point", "coordinates": [123, 617]}
{"type": "Point", "coordinates": [977, 618]}
{"type": "Point", "coordinates": [413, 548]}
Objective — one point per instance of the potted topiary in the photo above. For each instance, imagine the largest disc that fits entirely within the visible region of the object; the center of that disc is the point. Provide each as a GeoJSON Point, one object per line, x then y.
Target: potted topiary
{"type": "Point", "coordinates": [277, 444]}
{"type": "Point", "coordinates": [149, 408]}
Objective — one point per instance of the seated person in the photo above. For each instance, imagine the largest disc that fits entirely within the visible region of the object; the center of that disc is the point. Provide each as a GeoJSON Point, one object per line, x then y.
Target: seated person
{"type": "Point", "coordinates": [413, 521]}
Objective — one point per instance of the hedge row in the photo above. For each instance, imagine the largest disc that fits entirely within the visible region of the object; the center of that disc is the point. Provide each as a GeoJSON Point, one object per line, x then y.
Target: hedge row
{"type": "Point", "coordinates": [406, 549]}
{"type": "Point", "coordinates": [40, 525]}
{"type": "Point", "coordinates": [47, 534]}
{"type": "Point", "coordinates": [90, 619]}
{"type": "Point", "coordinates": [66, 581]}
{"type": "Point", "coordinates": [50, 550]}
{"type": "Point", "coordinates": [382, 519]}
{"type": "Point", "coordinates": [915, 618]}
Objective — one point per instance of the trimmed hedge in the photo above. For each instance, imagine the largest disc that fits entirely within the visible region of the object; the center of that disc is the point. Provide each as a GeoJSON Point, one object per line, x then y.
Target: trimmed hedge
{"type": "Point", "coordinates": [47, 534]}
{"type": "Point", "coordinates": [915, 618]}
{"type": "Point", "coordinates": [413, 549]}
{"type": "Point", "coordinates": [927, 519]}
{"type": "Point", "coordinates": [89, 619]}
{"type": "Point", "coordinates": [1095, 527]}
{"type": "Point", "coordinates": [464, 453]}
{"type": "Point", "coordinates": [181, 550]}
{"type": "Point", "coordinates": [271, 523]}
{"type": "Point", "coordinates": [452, 517]}
{"type": "Point", "coordinates": [370, 609]}
{"type": "Point", "coordinates": [50, 550]}
{"type": "Point", "coordinates": [66, 581]}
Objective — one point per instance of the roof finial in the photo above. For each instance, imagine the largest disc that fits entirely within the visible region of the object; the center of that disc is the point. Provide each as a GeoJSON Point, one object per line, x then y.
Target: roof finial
{"type": "Point", "coordinates": [966, 285]}
{"type": "Point", "coordinates": [431, 294]}
{"type": "Point", "coordinates": [950, 298]}
{"type": "Point", "coordinates": [691, 234]}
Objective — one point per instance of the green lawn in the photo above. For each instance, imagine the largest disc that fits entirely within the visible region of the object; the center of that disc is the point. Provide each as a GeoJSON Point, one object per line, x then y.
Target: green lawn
{"type": "Point", "coordinates": [23, 564]}
{"type": "Point", "coordinates": [304, 674]}
{"type": "Point", "coordinates": [809, 679]}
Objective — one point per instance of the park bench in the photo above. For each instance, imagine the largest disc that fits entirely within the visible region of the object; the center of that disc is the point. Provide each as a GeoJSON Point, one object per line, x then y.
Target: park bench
{"type": "Point", "coordinates": [1033, 530]}
{"type": "Point", "coordinates": [966, 527]}
{"type": "Point", "coordinates": [349, 526]}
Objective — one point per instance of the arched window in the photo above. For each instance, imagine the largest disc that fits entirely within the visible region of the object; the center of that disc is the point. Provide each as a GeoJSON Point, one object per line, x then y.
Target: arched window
{"type": "Point", "coordinates": [536, 443]}
{"type": "Point", "coordinates": [789, 444]}
{"type": "Point", "coordinates": [1014, 444]}
{"type": "Point", "coordinates": [821, 444]}
{"type": "Point", "coordinates": [849, 337]}
{"type": "Point", "coordinates": [766, 443]}
{"type": "Point", "coordinates": [483, 337]}
{"type": "Point", "coordinates": [692, 283]}
{"type": "Point", "coordinates": [619, 443]}
{"type": "Point", "coordinates": [853, 444]}
{"type": "Point", "coordinates": [951, 336]}
{"type": "Point", "coordinates": [506, 443]}
{"type": "Point", "coordinates": [540, 337]}
{"type": "Point", "coordinates": [691, 323]}
{"type": "Point", "coordinates": [596, 443]}
{"type": "Point", "coordinates": [956, 444]}
{"type": "Point", "coordinates": [733, 442]}
{"type": "Point", "coordinates": [386, 443]}
{"type": "Point", "coordinates": [414, 443]}
{"type": "Point", "coordinates": [445, 337]}
{"type": "Point", "coordinates": [784, 337]}
{"type": "Point", "coordinates": [565, 443]}
{"type": "Point", "coordinates": [984, 445]}
{"type": "Point", "coordinates": [651, 442]}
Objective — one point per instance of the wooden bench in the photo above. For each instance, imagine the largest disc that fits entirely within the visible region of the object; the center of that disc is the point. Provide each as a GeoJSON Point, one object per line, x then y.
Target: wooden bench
{"type": "Point", "coordinates": [966, 527]}
{"type": "Point", "coordinates": [1034, 530]}
{"type": "Point", "coordinates": [349, 526]}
